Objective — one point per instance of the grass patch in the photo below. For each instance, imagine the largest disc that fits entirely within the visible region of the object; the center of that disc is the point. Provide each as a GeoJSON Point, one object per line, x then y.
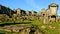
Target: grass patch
{"type": "Point", "coordinates": [47, 30]}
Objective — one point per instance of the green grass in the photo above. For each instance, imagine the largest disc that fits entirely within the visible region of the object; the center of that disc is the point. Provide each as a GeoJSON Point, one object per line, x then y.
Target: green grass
{"type": "Point", "coordinates": [4, 32]}
{"type": "Point", "coordinates": [47, 30]}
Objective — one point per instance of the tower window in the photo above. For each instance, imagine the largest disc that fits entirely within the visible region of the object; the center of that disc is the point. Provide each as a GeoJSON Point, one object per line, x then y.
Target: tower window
{"type": "Point", "coordinates": [43, 14]}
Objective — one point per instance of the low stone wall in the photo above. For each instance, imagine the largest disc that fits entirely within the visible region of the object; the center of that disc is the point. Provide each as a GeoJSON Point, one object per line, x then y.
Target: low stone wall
{"type": "Point", "coordinates": [21, 29]}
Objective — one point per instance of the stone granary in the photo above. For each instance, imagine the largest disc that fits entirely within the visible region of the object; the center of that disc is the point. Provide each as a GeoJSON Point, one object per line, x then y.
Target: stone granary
{"type": "Point", "coordinates": [46, 15]}
{"type": "Point", "coordinates": [20, 12]}
{"type": "Point", "coordinates": [50, 14]}
{"type": "Point", "coordinates": [28, 13]}
{"type": "Point", "coordinates": [31, 13]}
{"type": "Point", "coordinates": [34, 13]}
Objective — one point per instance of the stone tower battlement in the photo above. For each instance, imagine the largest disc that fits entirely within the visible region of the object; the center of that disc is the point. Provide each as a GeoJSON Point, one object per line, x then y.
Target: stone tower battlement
{"type": "Point", "coordinates": [53, 9]}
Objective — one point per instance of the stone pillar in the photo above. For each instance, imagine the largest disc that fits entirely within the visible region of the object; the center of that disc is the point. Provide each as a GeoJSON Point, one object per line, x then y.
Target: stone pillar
{"type": "Point", "coordinates": [56, 18]}
{"type": "Point", "coordinates": [37, 32]}
{"type": "Point", "coordinates": [19, 31]}
{"type": "Point", "coordinates": [50, 19]}
{"type": "Point", "coordinates": [44, 20]}
{"type": "Point", "coordinates": [27, 30]}
{"type": "Point", "coordinates": [22, 32]}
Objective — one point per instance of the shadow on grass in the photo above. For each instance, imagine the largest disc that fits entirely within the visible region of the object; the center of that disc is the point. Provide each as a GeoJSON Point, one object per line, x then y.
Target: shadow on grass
{"type": "Point", "coordinates": [2, 33]}
{"type": "Point", "coordinates": [14, 23]}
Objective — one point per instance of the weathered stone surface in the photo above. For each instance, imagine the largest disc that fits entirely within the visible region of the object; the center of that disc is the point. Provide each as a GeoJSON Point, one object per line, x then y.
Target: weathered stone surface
{"type": "Point", "coordinates": [21, 29]}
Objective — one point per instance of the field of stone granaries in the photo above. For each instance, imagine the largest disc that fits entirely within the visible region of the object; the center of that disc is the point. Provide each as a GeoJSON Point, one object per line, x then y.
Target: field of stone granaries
{"type": "Point", "coordinates": [45, 22]}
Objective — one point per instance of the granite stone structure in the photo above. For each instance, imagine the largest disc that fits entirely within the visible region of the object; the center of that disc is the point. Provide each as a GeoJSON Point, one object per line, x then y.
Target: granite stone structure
{"type": "Point", "coordinates": [46, 15]}
{"type": "Point", "coordinates": [50, 14]}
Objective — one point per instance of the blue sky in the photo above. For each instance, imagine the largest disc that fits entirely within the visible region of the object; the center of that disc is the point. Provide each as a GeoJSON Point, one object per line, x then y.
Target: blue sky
{"type": "Point", "coordinates": [36, 5]}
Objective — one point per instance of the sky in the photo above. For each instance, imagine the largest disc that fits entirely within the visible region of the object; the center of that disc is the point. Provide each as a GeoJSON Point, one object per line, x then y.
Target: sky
{"type": "Point", "coordinates": [36, 5]}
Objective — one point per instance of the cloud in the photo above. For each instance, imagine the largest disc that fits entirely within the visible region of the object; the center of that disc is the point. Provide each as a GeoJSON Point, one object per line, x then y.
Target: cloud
{"type": "Point", "coordinates": [32, 3]}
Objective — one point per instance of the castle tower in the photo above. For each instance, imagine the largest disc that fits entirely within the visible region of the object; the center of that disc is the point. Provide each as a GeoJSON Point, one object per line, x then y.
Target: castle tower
{"type": "Point", "coordinates": [53, 11]}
